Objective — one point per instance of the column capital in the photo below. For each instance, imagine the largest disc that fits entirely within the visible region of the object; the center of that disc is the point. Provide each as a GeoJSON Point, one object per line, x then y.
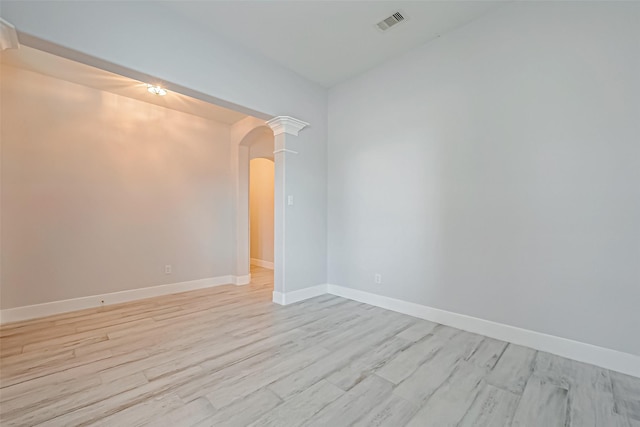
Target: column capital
{"type": "Point", "coordinates": [8, 36]}
{"type": "Point", "coordinates": [286, 124]}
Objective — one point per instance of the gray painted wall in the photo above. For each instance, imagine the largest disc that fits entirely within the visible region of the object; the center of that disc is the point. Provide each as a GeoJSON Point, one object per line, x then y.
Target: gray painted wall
{"type": "Point", "coordinates": [495, 172]}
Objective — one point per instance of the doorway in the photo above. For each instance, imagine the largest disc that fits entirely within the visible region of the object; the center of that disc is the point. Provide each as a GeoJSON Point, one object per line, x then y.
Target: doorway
{"type": "Point", "coordinates": [261, 218]}
{"type": "Point", "coordinates": [256, 231]}
{"type": "Point", "coordinates": [261, 174]}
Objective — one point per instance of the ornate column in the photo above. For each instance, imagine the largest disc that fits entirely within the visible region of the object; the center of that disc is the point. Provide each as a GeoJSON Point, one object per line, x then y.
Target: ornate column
{"type": "Point", "coordinates": [285, 130]}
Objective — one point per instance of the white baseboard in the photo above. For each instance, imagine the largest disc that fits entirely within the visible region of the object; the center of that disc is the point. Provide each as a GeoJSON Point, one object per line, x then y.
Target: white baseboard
{"type": "Point", "coordinates": [299, 295]}
{"type": "Point", "coordinates": [278, 298]}
{"type": "Point", "coordinates": [606, 358]}
{"type": "Point", "coordinates": [262, 263]}
{"type": "Point", "coordinates": [17, 314]}
{"type": "Point", "coordinates": [241, 280]}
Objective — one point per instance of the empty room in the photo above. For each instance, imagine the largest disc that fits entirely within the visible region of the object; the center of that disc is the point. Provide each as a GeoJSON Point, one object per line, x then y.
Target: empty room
{"type": "Point", "coordinates": [320, 213]}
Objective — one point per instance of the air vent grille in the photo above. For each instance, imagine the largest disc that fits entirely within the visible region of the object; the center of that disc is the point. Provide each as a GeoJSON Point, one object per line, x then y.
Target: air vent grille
{"type": "Point", "coordinates": [389, 22]}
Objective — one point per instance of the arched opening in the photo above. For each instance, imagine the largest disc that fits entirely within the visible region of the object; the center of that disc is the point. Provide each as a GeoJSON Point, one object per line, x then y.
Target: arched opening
{"type": "Point", "coordinates": [273, 139]}
{"type": "Point", "coordinates": [255, 205]}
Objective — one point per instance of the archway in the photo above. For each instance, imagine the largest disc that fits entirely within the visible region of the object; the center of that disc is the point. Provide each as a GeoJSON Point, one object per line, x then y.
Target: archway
{"type": "Point", "coordinates": [251, 132]}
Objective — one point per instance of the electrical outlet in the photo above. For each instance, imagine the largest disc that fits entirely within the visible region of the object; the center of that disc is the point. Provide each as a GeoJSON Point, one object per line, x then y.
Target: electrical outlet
{"type": "Point", "coordinates": [377, 278]}
{"type": "Point", "coordinates": [167, 269]}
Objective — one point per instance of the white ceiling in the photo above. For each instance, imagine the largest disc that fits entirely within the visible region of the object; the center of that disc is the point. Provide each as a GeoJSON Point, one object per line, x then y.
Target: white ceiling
{"type": "Point", "coordinates": [330, 41]}
{"type": "Point", "coordinates": [75, 72]}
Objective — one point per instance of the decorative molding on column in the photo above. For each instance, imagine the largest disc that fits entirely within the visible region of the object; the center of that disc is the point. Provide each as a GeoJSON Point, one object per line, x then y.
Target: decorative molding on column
{"type": "Point", "coordinates": [8, 36]}
{"type": "Point", "coordinates": [286, 124]}
{"type": "Point", "coordinates": [284, 150]}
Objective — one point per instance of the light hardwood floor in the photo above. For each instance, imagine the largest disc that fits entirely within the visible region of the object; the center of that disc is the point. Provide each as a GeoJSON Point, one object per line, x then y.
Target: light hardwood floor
{"type": "Point", "coordinates": [227, 356]}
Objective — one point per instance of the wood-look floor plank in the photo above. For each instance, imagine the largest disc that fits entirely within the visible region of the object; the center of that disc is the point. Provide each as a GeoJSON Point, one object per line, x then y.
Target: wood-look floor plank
{"type": "Point", "coordinates": [66, 406]}
{"type": "Point", "coordinates": [418, 331]}
{"type": "Point", "coordinates": [493, 407]}
{"type": "Point", "coordinates": [406, 362]}
{"type": "Point", "coordinates": [301, 407]}
{"type": "Point", "coordinates": [48, 395]}
{"type": "Point", "coordinates": [139, 414]}
{"type": "Point", "coordinates": [361, 367]}
{"type": "Point", "coordinates": [354, 404]}
{"type": "Point", "coordinates": [542, 404]}
{"type": "Point", "coordinates": [334, 360]}
{"type": "Point", "coordinates": [394, 411]}
{"type": "Point", "coordinates": [591, 401]}
{"type": "Point", "coordinates": [451, 401]}
{"type": "Point", "coordinates": [20, 375]}
{"type": "Point", "coordinates": [28, 387]}
{"type": "Point", "coordinates": [433, 373]}
{"type": "Point", "coordinates": [513, 369]}
{"type": "Point", "coordinates": [244, 412]}
{"type": "Point", "coordinates": [244, 383]}
{"type": "Point", "coordinates": [122, 399]}
{"type": "Point", "coordinates": [489, 352]}
{"type": "Point", "coordinates": [364, 331]}
{"type": "Point", "coordinates": [190, 414]}
{"type": "Point", "coordinates": [627, 395]}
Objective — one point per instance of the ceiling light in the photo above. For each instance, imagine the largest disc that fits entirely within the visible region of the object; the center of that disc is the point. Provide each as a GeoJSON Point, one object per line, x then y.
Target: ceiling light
{"type": "Point", "coordinates": [156, 90]}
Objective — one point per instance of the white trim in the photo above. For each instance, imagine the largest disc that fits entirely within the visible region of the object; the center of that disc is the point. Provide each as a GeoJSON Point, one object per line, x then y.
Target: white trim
{"type": "Point", "coordinates": [606, 358]}
{"type": "Point", "coordinates": [56, 307]}
{"type": "Point", "coordinates": [299, 295]}
{"type": "Point", "coordinates": [8, 36]}
{"type": "Point", "coordinates": [262, 263]}
{"type": "Point", "coordinates": [286, 124]}
{"type": "Point", "coordinates": [241, 280]}
{"type": "Point", "coordinates": [284, 150]}
{"type": "Point", "coordinates": [278, 298]}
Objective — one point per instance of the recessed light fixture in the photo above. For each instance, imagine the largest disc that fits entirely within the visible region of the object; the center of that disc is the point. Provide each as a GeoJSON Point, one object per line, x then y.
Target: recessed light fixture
{"type": "Point", "coordinates": [156, 90]}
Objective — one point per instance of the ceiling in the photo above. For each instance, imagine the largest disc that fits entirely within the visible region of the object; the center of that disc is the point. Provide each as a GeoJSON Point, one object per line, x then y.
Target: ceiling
{"type": "Point", "coordinates": [75, 72]}
{"type": "Point", "coordinates": [330, 41]}
{"type": "Point", "coordinates": [327, 42]}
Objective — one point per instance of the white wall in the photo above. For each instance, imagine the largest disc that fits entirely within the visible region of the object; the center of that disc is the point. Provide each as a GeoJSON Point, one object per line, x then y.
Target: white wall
{"type": "Point", "coordinates": [177, 51]}
{"type": "Point", "coordinates": [100, 192]}
{"type": "Point", "coordinates": [495, 172]}
{"type": "Point", "coordinates": [261, 174]}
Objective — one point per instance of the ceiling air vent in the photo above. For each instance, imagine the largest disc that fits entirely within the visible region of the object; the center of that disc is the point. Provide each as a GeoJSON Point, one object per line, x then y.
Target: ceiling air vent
{"type": "Point", "coordinates": [389, 22]}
